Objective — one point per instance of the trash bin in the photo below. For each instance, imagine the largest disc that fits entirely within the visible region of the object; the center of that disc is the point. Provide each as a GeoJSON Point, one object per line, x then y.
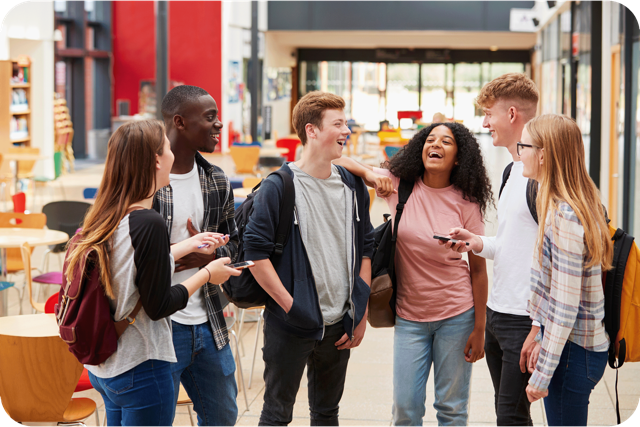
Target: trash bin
{"type": "Point", "coordinates": [97, 143]}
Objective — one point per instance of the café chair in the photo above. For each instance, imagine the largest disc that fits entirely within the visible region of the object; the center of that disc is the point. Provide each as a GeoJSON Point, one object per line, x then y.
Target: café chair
{"type": "Point", "coordinates": [230, 321]}
{"type": "Point", "coordinates": [19, 220]}
{"type": "Point", "coordinates": [184, 400]}
{"type": "Point", "coordinates": [38, 374]}
{"type": "Point", "coordinates": [25, 249]}
{"type": "Point", "coordinates": [291, 144]}
{"type": "Point", "coordinates": [64, 216]}
{"type": "Point", "coordinates": [255, 343]}
{"type": "Point", "coordinates": [251, 182]}
{"type": "Point", "coordinates": [372, 196]}
{"type": "Point", "coordinates": [89, 193]}
{"type": "Point", "coordinates": [84, 383]}
{"type": "Point", "coordinates": [245, 158]}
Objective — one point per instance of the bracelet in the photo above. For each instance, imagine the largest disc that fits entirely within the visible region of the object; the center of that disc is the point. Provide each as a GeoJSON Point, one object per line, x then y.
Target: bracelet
{"type": "Point", "coordinates": [209, 280]}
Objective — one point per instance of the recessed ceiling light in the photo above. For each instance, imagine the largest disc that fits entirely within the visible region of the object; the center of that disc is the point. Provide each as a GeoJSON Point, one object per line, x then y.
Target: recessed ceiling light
{"type": "Point", "coordinates": [493, 48]}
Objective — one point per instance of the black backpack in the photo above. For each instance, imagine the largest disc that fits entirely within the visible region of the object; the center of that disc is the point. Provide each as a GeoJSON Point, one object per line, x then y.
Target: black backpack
{"type": "Point", "coordinates": [382, 300]}
{"type": "Point", "coordinates": [243, 290]}
{"type": "Point", "coordinates": [532, 191]}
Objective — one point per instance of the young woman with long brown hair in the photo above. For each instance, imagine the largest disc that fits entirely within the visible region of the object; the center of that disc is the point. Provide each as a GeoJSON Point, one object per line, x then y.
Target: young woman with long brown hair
{"type": "Point", "coordinates": [573, 248]}
{"type": "Point", "coordinates": [136, 263]}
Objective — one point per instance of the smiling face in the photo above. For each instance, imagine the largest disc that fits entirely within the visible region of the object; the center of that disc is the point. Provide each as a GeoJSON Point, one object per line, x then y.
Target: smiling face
{"type": "Point", "coordinates": [202, 124]}
{"type": "Point", "coordinates": [499, 119]}
{"type": "Point", "coordinates": [331, 138]}
{"type": "Point", "coordinates": [531, 157]}
{"type": "Point", "coordinates": [440, 151]}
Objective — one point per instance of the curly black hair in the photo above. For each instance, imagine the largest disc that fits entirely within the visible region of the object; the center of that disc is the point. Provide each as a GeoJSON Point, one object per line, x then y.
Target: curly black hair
{"type": "Point", "coordinates": [469, 176]}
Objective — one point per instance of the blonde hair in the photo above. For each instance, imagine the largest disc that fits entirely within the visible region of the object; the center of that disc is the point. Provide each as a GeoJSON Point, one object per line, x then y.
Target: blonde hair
{"type": "Point", "coordinates": [311, 108]}
{"type": "Point", "coordinates": [516, 87]}
{"type": "Point", "coordinates": [563, 177]}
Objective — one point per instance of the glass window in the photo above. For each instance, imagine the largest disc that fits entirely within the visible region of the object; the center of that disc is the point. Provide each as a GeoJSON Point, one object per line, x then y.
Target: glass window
{"type": "Point", "coordinates": [402, 90]}
{"type": "Point", "coordinates": [434, 96]}
{"type": "Point", "coordinates": [367, 97]}
{"type": "Point", "coordinates": [466, 89]}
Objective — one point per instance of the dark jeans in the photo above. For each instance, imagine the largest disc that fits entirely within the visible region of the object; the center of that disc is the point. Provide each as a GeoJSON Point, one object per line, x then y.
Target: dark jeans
{"type": "Point", "coordinates": [578, 372]}
{"type": "Point", "coordinates": [142, 396]}
{"type": "Point", "coordinates": [504, 336]}
{"type": "Point", "coordinates": [206, 374]}
{"type": "Point", "coordinates": [285, 357]}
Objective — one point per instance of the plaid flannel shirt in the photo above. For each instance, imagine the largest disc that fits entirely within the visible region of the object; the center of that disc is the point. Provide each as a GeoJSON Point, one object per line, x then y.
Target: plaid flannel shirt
{"type": "Point", "coordinates": [218, 218]}
{"type": "Point", "coordinates": [566, 296]}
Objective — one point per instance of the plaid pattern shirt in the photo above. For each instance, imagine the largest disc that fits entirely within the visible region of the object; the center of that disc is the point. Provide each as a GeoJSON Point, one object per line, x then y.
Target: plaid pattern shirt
{"type": "Point", "coordinates": [566, 296]}
{"type": "Point", "coordinates": [218, 218]}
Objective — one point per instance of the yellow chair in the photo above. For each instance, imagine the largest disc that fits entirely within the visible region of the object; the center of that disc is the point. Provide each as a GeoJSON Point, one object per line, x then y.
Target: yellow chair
{"type": "Point", "coordinates": [38, 374]}
{"type": "Point", "coordinates": [251, 182]}
{"type": "Point", "coordinates": [19, 220]}
{"type": "Point", "coordinates": [245, 158]}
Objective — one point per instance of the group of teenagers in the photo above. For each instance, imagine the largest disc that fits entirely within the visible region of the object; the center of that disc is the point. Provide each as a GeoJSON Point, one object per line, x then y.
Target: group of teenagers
{"type": "Point", "coordinates": [164, 230]}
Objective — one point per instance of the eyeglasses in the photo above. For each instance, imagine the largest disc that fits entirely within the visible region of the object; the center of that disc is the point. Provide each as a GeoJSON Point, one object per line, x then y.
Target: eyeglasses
{"type": "Point", "coordinates": [520, 145]}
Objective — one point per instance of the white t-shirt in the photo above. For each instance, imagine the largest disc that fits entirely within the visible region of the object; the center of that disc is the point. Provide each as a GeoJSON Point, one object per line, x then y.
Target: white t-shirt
{"type": "Point", "coordinates": [512, 248]}
{"type": "Point", "coordinates": [187, 203]}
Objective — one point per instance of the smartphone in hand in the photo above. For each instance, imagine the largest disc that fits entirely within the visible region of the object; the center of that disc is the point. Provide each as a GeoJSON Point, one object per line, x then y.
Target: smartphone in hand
{"type": "Point", "coordinates": [241, 265]}
{"type": "Point", "coordinates": [446, 239]}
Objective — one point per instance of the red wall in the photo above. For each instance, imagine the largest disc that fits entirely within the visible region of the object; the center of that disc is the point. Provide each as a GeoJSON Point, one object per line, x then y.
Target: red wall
{"type": "Point", "coordinates": [195, 46]}
{"type": "Point", "coordinates": [134, 49]}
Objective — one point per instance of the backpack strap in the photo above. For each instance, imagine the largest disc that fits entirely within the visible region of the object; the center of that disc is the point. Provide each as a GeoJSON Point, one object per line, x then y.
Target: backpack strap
{"type": "Point", "coordinates": [532, 195]}
{"type": "Point", "coordinates": [404, 191]}
{"type": "Point", "coordinates": [286, 211]}
{"type": "Point", "coordinates": [505, 177]}
{"type": "Point", "coordinates": [613, 294]}
{"type": "Point", "coordinates": [123, 324]}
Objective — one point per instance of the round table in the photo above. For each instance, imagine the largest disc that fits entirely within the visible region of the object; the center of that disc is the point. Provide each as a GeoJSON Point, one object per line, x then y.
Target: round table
{"type": "Point", "coordinates": [29, 325]}
{"type": "Point", "coordinates": [14, 238]}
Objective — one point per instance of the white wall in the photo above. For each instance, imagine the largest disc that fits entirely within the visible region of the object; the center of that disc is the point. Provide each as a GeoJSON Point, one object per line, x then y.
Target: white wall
{"type": "Point", "coordinates": [28, 30]}
{"type": "Point", "coordinates": [236, 45]}
{"type": "Point", "coordinates": [279, 56]}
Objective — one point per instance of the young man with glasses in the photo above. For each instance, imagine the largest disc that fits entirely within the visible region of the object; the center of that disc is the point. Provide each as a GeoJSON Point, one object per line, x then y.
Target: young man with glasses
{"type": "Point", "coordinates": [508, 102]}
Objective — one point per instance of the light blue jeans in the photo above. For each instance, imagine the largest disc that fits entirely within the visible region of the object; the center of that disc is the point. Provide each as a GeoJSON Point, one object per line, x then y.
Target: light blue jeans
{"type": "Point", "coordinates": [417, 345]}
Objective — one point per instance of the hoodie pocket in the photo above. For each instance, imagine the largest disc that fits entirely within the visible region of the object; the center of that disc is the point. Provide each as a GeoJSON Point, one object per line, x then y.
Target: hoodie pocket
{"type": "Point", "coordinates": [303, 312]}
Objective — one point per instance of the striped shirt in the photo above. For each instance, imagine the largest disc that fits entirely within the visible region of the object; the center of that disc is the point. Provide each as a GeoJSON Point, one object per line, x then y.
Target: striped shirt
{"type": "Point", "coordinates": [219, 217]}
{"type": "Point", "coordinates": [566, 296]}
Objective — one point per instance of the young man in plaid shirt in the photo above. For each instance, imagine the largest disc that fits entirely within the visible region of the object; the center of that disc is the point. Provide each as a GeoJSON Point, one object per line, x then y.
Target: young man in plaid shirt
{"type": "Point", "coordinates": [199, 199]}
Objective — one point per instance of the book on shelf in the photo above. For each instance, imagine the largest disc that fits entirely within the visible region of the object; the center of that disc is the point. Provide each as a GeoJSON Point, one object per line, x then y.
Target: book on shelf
{"type": "Point", "coordinates": [19, 102]}
{"type": "Point", "coordinates": [18, 128]}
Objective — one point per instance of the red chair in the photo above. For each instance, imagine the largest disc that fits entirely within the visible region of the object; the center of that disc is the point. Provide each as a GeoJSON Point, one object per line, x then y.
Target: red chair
{"type": "Point", "coordinates": [291, 144]}
{"type": "Point", "coordinates": [83, 383]}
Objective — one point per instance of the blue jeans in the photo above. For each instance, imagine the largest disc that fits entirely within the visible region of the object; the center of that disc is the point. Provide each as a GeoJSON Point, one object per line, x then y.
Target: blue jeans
{"type": "Point", "coordinates": [416, 345]}
{"type": "Point", "coordinates": [206, 373]}
{"type": "Point", "coordinates": [142, 396]}
{"type": "Point", "coordinates": [578, 372]}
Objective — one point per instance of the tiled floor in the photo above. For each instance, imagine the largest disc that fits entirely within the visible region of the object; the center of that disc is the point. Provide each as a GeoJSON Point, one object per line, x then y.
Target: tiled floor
{"type": "Point", "coordinates": [368, 391]}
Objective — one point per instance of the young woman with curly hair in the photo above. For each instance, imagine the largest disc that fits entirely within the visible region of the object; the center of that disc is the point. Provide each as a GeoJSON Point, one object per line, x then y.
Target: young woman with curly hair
{"type": "Point", "coordinates": [441, 299]}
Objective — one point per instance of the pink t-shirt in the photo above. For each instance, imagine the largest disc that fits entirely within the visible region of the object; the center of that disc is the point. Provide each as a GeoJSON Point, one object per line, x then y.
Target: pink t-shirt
{"type": "Point", "coordinates": [434, 283]}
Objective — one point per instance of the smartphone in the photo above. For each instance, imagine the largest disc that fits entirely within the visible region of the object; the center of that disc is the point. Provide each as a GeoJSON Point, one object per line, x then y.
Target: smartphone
{"type": "Point", "coordinates": [446, 239]}
{"type": "Point", "coordinates": [241, 265]}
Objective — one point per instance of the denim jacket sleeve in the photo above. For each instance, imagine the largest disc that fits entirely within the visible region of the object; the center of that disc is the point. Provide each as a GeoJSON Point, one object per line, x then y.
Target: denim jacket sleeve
{"type": "Point", "coordinates": [259, 235]}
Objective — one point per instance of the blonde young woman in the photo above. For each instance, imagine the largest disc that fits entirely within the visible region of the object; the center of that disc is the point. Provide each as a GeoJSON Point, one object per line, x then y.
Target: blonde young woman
{"type": "Point", "coordinates": [573, 249]}
{"type": "Point", "coordinates": [136, 263]}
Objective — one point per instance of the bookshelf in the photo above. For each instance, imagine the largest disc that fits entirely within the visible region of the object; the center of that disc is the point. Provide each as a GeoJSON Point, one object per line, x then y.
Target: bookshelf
{"type": "Point", "coordinates": [15, 107]}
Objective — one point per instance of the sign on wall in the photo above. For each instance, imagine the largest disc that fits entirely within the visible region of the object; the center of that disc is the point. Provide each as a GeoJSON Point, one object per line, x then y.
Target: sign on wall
{"type": "Point", "coordinates": [235, 82]}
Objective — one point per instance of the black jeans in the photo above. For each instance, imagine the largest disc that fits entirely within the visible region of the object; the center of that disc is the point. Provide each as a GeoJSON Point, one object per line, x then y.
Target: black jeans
{"type": "Point", "coordinates": [504, 336]}
{"type": "Point", "coordinates": [285, 356]}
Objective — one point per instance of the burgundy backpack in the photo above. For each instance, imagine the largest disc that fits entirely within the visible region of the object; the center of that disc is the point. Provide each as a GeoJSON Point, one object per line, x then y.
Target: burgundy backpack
{"type": "Point", "coordinates": [83, 312]}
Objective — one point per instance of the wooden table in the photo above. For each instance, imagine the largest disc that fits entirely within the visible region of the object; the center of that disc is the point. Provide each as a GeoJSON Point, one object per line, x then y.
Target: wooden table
{"type": "Point", "coordinates": [15, 158]}
{"type": "Point", "coordinates": [29, 325]}
{"type": "Point", "coordinates": [241, 192]}
{"type": "Point", "coordinates": [14, 238]}
{"type": "Point", "coordinates": [273, 152]}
